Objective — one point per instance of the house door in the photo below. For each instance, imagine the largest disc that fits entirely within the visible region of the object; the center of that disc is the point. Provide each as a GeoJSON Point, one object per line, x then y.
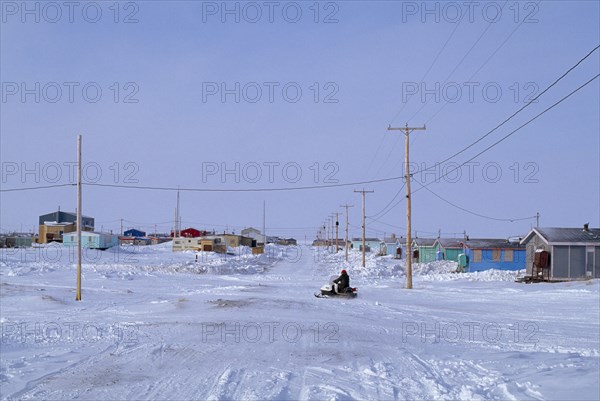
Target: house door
{"type": "Point", "coordinates": [589, 264]}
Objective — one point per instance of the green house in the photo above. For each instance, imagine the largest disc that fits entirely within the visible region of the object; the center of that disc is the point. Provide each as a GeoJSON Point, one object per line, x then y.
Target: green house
{"type": "Point", "coordinates": [427, 248]}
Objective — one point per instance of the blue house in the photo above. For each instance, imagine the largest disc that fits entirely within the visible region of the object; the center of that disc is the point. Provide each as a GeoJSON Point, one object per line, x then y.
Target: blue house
{"type": "Point", "coordinates": [134, 233]}
{"type": "Point", "coordinates": [92, 240]}
{"type": "Point", "coordinates": [393, 243]}
{"type": "Point", "coordinates": [500, 254]}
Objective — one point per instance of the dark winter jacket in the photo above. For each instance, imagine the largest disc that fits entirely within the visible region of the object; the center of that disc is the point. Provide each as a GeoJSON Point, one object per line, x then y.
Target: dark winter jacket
{"type": "Point", "coordinates": [342, 281]}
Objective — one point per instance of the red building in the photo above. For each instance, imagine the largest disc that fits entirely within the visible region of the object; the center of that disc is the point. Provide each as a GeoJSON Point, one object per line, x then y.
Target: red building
{"type": "Point", "coordinates": [190, 233]}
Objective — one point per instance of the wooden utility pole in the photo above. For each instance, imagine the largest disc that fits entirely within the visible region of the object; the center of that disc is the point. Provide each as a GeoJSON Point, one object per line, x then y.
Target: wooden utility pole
{"type": "Point", "coordinates": [363, 192]}
{"type": "Point", "coordinates": [337, 225]}
{"type": "Point", "coordinates": [121, 226]}
{"type": "Point", "coordinates": [331, 228]}
{"type": "Point", "coordinates": [78, 290]}
{"type": "Point", "coordinates": [346, 245]}
{"type": "Point", "coordinates": [407, 130]}
{"type": "Point", "coordinates": [537, 219]}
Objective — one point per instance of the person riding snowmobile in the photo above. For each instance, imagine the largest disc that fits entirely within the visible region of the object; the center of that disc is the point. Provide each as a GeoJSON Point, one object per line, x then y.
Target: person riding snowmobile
{"type": "Point", "coordinates": [341, 283]}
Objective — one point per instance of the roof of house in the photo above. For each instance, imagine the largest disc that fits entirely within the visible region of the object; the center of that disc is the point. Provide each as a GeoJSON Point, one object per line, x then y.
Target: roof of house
{"type": "Point", "coordinates": [61, 214]}
{"type": "Point", "coordinates": [451, 242]}
{"type": "Point", "coordinates": [366, 240]}
{"type": "Point", "coordinates": [492, 243]}
{"type": "Point", "coordinates": [424, 241]}
{"type": "Point", "coordinates": [562, 235]}
{"type": "Point", "coordinates": [391, 240]}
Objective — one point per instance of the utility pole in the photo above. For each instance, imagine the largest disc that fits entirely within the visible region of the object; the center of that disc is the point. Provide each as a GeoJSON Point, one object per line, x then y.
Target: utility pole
{"type": "Point", "coordinates": [337, 225]}
{"type": "Point", "coordinates": [178, 224]}
{"type": "Point", "coordinates": [78, 290]}
{"type": "Point", "coordinates": [121, 226]}
{"type": "Point", "coordinates": [363, 192]}
{"type": "Point", "coordinates": [347, 206]}
{"type": "Point", "coordinates": [407, 130]}
{"type": "Point", "coordinates": [331, 216]}
{"type": "Point", "coordinates": [537, 219]}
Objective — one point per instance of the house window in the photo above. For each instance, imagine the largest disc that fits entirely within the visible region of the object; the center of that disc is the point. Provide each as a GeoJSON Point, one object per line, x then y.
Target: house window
{"type": "Point", "coordinates": [477, 255]}
{"type": "Point", "coordinates": [496, 255]}
{"type": "Point", "coordinates": [508, 255]}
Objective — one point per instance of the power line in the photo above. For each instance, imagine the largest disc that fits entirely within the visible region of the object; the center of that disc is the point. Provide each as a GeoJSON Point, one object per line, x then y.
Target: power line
{"type": "Point", "coordinates": [484, 64]}
{"type": "Point", "coordinates": [39, 187]}
{"type": "Point", "coordinates": [472, 212]}
{"type": "Point", "coordinates": [389, 203]}
{"type": "Point", "coordinates": [432, 64]}
{"type": "Point", "coordinates": [521, 109]}
{"type": "Point", "coordinates": [515, 130]}
{"type": "Point", "coordinates": [461, 61]}
{"type": "Point", "coordinates": [495, 143]}
{"type": "Point", "coordinates": [190, 189]}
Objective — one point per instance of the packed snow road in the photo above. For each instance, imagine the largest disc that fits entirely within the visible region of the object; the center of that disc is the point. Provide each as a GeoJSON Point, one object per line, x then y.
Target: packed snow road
{"type": "Point", "coordinates": [158, 325]}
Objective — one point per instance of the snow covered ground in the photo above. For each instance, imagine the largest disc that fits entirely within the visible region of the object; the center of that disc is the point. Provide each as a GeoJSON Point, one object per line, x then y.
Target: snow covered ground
{"type": "Point", "coordinates": [154, 324]}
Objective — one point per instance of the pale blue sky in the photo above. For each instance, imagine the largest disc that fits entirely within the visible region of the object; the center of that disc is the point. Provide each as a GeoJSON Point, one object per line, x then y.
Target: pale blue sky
{"type": "Point", "coordinates": [363, 61]}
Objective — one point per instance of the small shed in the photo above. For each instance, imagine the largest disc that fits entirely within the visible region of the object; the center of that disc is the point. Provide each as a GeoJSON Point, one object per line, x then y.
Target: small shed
{"type": "Point", "coordinates": [494, 253]}
{"type": "Point", "coordinates": [92, 240]}
{"type": "Point", "coordinates": [574, 253]}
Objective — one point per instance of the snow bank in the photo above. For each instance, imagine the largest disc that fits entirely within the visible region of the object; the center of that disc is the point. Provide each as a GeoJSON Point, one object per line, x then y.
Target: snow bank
{"type": "Point", "coordinates": [126, 261]}
{"type": "Point", "coordinates": [378, 268]}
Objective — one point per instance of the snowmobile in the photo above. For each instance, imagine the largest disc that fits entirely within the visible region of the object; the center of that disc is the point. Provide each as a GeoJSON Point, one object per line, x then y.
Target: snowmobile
{"type": "Point", "coordinates": [328, 290]}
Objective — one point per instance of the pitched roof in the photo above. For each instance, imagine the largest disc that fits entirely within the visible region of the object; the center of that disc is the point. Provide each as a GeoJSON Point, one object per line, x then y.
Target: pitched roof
{"type": "Point", "coordinates": [562, 235]}
{"type": "Point", "coordinates": [424, 241]}
{"type": "Point", "coordinates": [491, 243]}
{"type": "Point", "coordinates": [366, 240]}
{"type": "Point", "coordinates": [451, 242]}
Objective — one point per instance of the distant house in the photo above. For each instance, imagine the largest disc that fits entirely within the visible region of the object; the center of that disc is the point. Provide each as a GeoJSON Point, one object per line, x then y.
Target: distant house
{"type": "Point", "coordinates": [449, 248]}
{"type": "Point", "coordinates": [289, 241]}
{"type": "Point", "coordinates": [191, 233]}
{"type": "Point", "coordinates": [427, 249]}
{"type": "Point", "coordinates": [392, 244]}
{"type": "Point", "coordinates": [372, 245]}
{"type": "Point", "coordinates": [574, 253]}
{"type": "Point", "coordinates": [16, 241]}
{"type": "Point", "coordinates": [53, 225]}
{"type": "Point", "coordinates": [233, 241]}
{"type": "Point", "coordinates": [206, 244]}
{"type": "Point", "coordinates": [500, 254]}
{"type": "Point", "coordinates": [92, 240]}
{"type": "Point", "coordinates": [159, 238]}
{"type": "Point", "coordinates": [255, 234]}
{"type": "Point", "coordinates": [134, 233]}
{"type": "Point", "coordinates": [187, 244]}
